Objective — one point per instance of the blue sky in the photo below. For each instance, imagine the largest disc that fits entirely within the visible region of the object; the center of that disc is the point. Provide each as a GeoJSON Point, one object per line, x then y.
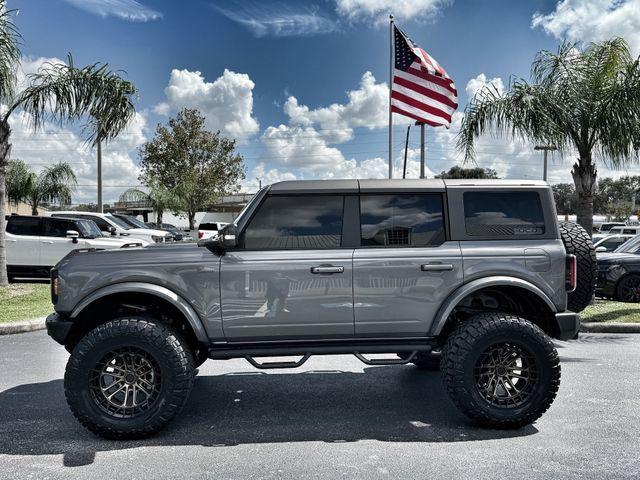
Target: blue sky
{"type": "Point", "coordinates": [289, 78]}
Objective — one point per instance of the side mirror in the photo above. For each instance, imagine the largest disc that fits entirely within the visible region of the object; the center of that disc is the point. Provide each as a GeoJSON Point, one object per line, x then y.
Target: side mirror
{"type": "Point", "coordinates": [228, 237]}
{"type": "Point", "coordinates": [225, 239]}
{"type": "Point", "coordinates": [601, 249]}
{"type": "Point", "coordinates": [112, 230]}
{"type": "Point", "coordinates": [73, 235]}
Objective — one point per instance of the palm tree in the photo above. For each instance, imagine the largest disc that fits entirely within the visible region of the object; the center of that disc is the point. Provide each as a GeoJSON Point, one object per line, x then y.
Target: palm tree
{"type": "Point", "coordinates": [58, 93]}
{"type": "Point", "coordinates": [585, 102]}
{"type": "Point", "coordinates": [17, 179]}
{"type": "Point", "coordinates": [53, 185]}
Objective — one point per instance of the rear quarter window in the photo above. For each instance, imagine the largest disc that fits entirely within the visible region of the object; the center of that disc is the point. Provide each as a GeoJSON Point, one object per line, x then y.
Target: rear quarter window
{"type": "Point", "coordinates": [503, 214]}
{"type": "Point", "coordinates": [29, 226]}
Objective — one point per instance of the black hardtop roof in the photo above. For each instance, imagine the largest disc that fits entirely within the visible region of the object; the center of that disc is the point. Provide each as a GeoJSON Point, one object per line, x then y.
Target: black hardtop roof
{"type": "Point", "coordinates": [393, 185]}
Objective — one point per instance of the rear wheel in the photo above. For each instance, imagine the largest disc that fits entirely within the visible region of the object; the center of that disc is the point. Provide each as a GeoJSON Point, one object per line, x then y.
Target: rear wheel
{"type": "Point", "coordinates": [628, 289]}
{"type": "Point", "coordinates": [128, 378]}
{"type": "Point", "coordinates": [500, 370]}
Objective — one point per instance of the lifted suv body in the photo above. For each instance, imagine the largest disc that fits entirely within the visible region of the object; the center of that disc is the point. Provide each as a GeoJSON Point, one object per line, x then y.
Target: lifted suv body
{"type": "Point", "coordinates": [345, 266]}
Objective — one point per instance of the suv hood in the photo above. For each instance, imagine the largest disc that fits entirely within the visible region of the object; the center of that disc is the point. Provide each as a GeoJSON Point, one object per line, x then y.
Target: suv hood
{"type": "Point", "coordinates": [147, 232]}
{"type": "Point", "coordinates": [619, 257]}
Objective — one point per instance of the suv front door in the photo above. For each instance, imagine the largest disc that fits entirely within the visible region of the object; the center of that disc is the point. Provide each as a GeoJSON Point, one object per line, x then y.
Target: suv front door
{"type": "Point", "coordinates": [55, 244]}
{"type": "Point", "coordinates": [405, 267]}
{"type": "Point", "coordinates": [291, 277]}
{"type": "Point", "coordinates": [23, 241]}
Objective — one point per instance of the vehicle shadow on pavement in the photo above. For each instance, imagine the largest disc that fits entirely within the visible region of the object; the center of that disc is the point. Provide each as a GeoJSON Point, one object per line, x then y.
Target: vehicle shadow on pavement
{"type": "Point", "coordinates": [388, 404]}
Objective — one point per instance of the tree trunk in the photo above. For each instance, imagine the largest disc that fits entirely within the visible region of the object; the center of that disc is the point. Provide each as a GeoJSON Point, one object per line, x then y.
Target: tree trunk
{"type": "Point", "coordinates": [192, 219]}
{"type": "Point", "coordinates": [5, 149]}
{"type": "Point", "coordinates": [584, 177]}
{"type": "Point", "coordinates": [159, 212]}
{"type": "Point", "coordinates": [34, 210]}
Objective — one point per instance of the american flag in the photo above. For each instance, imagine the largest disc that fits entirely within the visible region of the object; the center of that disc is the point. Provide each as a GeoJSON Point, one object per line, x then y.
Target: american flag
{"type": "Point", "coordinates": [421, 89]}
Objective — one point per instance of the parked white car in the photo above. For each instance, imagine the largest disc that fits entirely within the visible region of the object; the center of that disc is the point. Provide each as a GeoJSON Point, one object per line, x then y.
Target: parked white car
{"type": "Point", "coordinates": [610, 242]}
{"type": "Point", "coordinates": [112, 225]}
{"type": "Point", "coordinates": [209, 229]}
{"type": "Point", "coordinates": [36, 244]}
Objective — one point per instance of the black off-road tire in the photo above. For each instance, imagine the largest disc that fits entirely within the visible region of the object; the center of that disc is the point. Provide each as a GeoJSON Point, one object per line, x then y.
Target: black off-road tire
{"type": "Point", "coordinates": [462, 355]}
{"type": "Point", "coordinates": [578, 242]}
{"type": "Point", "coordinates": [169, 355]}
{"type": "Point", "coordinates": [628, 289]}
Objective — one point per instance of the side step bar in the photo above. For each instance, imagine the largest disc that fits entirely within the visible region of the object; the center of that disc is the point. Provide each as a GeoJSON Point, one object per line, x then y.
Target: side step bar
{"type": "Point", "coordinates": [306, 350]}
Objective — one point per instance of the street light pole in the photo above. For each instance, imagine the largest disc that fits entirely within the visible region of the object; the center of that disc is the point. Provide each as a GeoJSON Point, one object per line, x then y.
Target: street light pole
{"type": "Point", "coordinates": [545, 149]}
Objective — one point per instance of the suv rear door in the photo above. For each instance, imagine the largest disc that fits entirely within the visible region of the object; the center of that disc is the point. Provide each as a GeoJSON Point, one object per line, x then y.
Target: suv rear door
{"type": "Point", "coordinates": [23, 240]}
{"type": "Point", "coordinates": [291, 277]}
{"type": "Point", "coordinates": [406, 266]}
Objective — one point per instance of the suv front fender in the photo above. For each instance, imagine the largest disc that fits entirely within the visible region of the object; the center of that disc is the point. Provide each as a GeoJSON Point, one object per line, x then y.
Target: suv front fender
{"type": "Point", "coordinates": [149, 288]}
{"type": "Point", "coordinates": [461, 292]}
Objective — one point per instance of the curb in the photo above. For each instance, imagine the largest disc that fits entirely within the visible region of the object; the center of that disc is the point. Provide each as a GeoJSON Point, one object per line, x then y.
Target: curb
{"type": "Point", "coordinates": [600, 327]}
{"type": "Point", "coordinates": [22, 327]}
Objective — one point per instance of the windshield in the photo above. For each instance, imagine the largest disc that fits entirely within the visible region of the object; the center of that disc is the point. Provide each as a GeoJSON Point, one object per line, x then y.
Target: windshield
{"type": "Point", "coordinates": [131, 221]}
{"type": "Point", "coordinates": [630, 246]}
{"type": "Point", "coordinates": [88, 229]}
{"type": "Point", "coordinates": [119, 222]}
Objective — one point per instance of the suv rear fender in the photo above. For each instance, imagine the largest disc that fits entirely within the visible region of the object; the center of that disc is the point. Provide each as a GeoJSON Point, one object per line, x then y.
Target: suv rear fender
{"type": "Point", "coordinates": [467, 289]}
{"type": "Point", "coordinates": [148, 288]}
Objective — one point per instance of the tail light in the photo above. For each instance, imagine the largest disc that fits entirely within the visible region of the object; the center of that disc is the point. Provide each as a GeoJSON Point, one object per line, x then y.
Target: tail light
{"type": "Point", "coordinates": [54, 286]}
{"type": "Point", "coordinates": [200, 235]}
{"type": "Point", "coordinates": [571, 281]}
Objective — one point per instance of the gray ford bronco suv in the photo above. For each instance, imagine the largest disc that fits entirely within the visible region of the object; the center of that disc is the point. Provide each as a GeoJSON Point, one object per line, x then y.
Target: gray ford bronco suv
{"type": "Point", "coordinates": [470, 277]}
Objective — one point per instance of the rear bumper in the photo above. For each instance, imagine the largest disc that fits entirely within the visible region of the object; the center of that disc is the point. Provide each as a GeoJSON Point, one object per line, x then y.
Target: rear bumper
{"type": "Point", "coordinates": [568, 324]}
{"type": "Point", "coordinates": [58, 327]}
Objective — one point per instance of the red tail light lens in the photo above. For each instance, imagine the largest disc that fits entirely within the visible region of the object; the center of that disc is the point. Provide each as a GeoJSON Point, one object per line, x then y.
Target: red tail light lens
{"type": "Point", "coordinates": [200, 235]}
{"type": "Point", "coordinates": [572, 273]}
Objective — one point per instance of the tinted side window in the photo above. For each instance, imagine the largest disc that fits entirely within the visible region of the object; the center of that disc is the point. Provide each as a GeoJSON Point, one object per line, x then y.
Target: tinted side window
{"type": "Point", "coordinates": [401, 220]}
{"type": "Point", "coordinates": [103, 225]}
{"type": "Point", "coordinates": [284, 222]}
{"type": "Point", "coordinates": [55, 227]}
{"type": "Point", "coordinates": [503, 213]}
{"type": "Point", "coordinates": [24, 226]}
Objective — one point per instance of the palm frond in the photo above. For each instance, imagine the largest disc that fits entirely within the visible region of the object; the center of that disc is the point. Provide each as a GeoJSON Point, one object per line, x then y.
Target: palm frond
{"type": "Point", "coordinates": [55, 184]}
{"type": "Point", "coordinates": [9, 53]}
{"type": "Point", "coordinates": [61, 93]}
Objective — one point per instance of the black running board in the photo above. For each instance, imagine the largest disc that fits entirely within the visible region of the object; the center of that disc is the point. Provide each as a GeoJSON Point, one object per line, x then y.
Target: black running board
{"type": "Point", "coordinates": [306, 350]}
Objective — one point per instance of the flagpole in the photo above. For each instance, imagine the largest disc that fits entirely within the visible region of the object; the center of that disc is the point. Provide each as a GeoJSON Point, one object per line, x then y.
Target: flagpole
{"type": "Point", "coordinates": [390, 84]}
{"type": "Point", "coordinates": [422, 145]}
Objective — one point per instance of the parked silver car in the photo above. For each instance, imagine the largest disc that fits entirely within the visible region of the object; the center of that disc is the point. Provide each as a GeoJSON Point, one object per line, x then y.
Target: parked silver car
{"type": "Point", "coordinates": [471, 277]}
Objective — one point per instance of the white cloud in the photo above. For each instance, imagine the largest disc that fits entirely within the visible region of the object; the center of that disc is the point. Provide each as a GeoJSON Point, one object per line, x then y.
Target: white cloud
{"type": "Point", "coordinates": [593, 20]}
{"type": "Point", "coordinates": [475, 84]}
{"type": "Point", "coordinates": [367, 107]}
{"type": "Point", "coordinates": [280, 20]}
{"type": "Point", "coordinates": [227, 102]}
{"type": "Point", "coordinates": [130, 10]}
{"type": "Point", "coordinates": [55, 144]}
{"type": "Point", "coordinates": [379, 10]}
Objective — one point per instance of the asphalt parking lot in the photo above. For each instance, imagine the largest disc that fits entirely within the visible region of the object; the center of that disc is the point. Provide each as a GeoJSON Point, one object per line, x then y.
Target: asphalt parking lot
{"type": "Point", "coordinates": [333, 418]}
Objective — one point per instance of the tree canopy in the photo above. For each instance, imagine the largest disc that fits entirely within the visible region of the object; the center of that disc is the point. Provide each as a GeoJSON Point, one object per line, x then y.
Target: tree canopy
{"type": "Point", "coordinates": [194, 165]}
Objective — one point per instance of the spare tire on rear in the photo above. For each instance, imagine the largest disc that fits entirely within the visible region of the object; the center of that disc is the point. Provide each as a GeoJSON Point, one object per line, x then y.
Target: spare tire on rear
{"type": "Point", "coordinates": [578, 242]}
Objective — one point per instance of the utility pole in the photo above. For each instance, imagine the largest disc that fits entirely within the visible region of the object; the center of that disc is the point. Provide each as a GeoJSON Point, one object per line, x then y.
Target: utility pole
{"type": "Point", "coordinates": [100, 209]}
{"type": "Point", "coordinates": [259, 183]}
{"type": "Point", "coordinates": [545, 149]}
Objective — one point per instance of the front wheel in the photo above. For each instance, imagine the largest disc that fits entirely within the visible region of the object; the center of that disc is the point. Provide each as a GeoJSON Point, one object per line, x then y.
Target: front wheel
{"type": "Point", "coordinates": [629, 289]}
{"type": "Point", "coordinates": [500, 370]}
{"type": "Point", "coordinates": [128, 378]}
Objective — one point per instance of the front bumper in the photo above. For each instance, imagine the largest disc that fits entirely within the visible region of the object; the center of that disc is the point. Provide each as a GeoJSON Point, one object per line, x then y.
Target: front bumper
{"type": "Point", "coordinates": [58, 327]}
{"type": "Point", "coordinates": [568, 324]}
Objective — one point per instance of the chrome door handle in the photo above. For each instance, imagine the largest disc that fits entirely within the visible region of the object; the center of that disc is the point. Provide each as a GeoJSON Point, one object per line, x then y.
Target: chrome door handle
{"type": "Point", "coordinates": [327, 269]}
{"type": "Point", "coordinates": [436, 267]}
{"type": "Point", "coordinates": [46, 241]}
{"type": "Point", "coordinates": [11, 240]}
